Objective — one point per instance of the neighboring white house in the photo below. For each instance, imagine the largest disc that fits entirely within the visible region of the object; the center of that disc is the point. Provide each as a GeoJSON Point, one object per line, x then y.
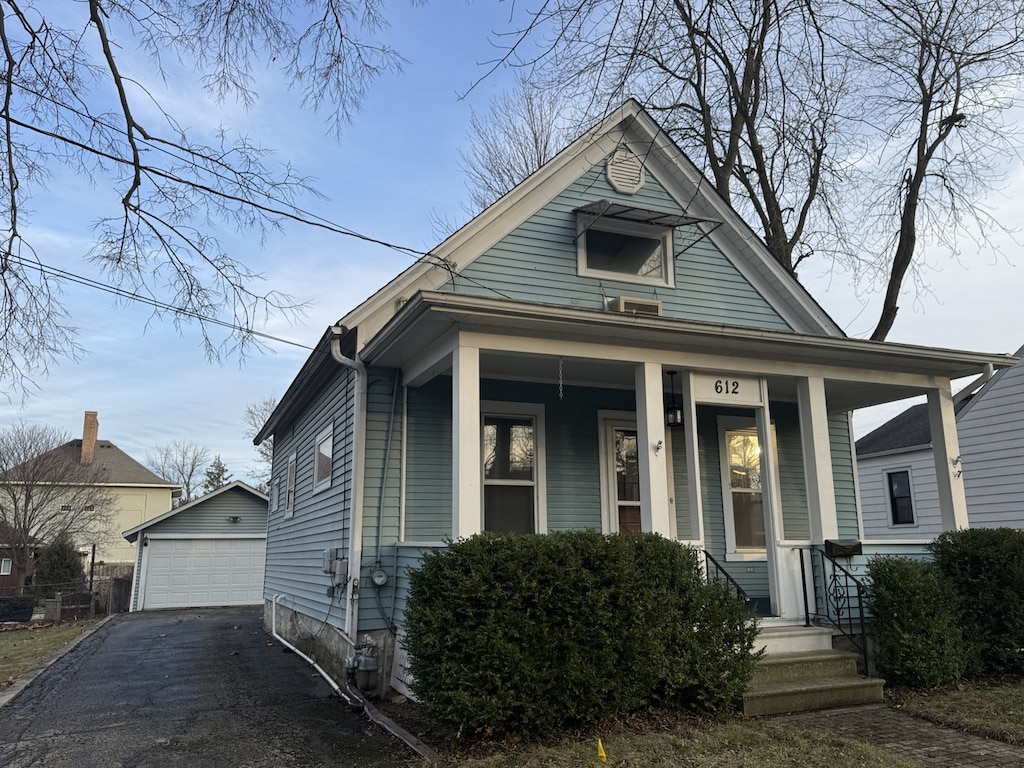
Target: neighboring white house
{"type": "Point", "coordinates": [209, 552]}
{"type": "Point", "coordinates": [896, 468]}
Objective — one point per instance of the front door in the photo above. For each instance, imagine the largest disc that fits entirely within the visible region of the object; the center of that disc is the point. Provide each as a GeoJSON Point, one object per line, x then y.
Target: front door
{"type": "Point", "coordinates": [621, 476]}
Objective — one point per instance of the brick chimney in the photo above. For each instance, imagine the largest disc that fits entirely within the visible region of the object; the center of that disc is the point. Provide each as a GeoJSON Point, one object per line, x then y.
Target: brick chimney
{"type": "Point", "coordinates": [89, 432]}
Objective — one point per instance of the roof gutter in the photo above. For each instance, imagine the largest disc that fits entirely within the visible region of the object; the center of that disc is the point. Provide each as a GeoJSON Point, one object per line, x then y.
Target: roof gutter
{"type": "Point", "coordinates": [355, 546]}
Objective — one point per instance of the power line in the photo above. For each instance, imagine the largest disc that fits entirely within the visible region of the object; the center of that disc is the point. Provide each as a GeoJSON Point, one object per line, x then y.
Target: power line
{"type": "Point", "coordinates": [62, 274]}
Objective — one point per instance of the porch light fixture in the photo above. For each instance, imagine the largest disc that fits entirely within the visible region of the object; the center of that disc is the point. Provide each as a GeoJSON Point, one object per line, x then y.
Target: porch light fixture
{"type": "Point", "coordinates": [674, 410]}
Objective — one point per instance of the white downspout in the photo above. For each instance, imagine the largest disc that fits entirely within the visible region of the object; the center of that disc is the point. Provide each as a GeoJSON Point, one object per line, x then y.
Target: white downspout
{"type": "Point", "coordinates": [973, 387]}
{"type": "Point", "coordinates": [355, 552]}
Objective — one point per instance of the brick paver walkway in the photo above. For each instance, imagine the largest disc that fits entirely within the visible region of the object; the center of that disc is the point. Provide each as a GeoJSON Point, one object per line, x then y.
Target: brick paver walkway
{"type": "Point", "coordinates": [911, 737]}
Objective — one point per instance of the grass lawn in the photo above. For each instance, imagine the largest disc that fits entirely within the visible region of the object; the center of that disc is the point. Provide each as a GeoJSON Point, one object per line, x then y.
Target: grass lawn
{"type": "Point", "coordinates": [26, 647]}
{"type": "Point", "coordinates": [994, 709]}
{"type": "Point", "coordinates": [731, 744]}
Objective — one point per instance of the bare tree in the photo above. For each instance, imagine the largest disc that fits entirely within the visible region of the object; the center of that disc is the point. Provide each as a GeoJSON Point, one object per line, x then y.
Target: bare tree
{"type": "Point", "coordinates": [76, 96]}
{"type": "Point", "coordinates": [46, 492]}
{"type": "Point", "coordinates": [255, 416]}
{"type": "Point", "coordinates": [521, 131]}
{"type": "Point", "coordinates": [936, 80]}
{"type": "Point", "coordinates": [180, 461]}
{"type": "Point", "coordinates": [800, 111]}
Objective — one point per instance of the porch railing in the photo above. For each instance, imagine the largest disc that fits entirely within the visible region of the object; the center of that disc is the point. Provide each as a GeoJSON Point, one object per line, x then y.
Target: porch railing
{"type": "Point", "coordinates": [715, 572]}
{"type": "Point", "coordinates": [839, 598]}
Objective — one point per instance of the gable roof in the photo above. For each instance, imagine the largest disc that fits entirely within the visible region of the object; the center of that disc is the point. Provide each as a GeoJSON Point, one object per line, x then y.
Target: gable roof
{"type": "Point", "coordinates": [133, 533]}
{"type": "Point", "coordinates": [995, 380]}
{"type": "Point", "coordinates": [632, 126]}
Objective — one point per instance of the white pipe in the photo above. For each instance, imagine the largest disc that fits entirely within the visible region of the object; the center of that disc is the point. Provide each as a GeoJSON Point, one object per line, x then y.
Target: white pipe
{"type": "Point", "coordinates": [358, 475]}
{"type": "Point", "coordinates": [323, 673]}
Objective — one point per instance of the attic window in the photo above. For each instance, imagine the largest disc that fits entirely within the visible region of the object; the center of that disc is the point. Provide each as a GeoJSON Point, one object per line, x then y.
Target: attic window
{"type": "Point", "coordinates": [624, 250]}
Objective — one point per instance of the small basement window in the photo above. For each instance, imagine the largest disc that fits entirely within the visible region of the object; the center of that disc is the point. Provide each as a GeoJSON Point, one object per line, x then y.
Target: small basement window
{"type": "Point", "coordinates": [625, 250]}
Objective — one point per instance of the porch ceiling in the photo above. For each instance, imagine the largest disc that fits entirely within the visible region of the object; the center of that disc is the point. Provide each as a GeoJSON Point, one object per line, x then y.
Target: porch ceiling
{"type": "Point", "coordinates": [783, 356]}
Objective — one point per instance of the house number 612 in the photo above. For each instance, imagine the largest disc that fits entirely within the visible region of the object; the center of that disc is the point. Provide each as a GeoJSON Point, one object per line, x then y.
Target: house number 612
{"type": "Point", "coordinates": [727, 387]}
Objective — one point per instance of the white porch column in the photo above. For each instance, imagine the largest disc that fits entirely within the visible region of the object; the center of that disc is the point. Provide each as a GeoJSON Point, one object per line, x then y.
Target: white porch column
{"type": "Point", "coordinates": [946, 452]}
{"type": "Point", "coordinates": [651, 450]}
{"type": "Point", "coordinates": [817, 451]}
{"type": "Point", "coordinates": [692, 460]}
{"type": "Point", "coordinates": [467, 517]}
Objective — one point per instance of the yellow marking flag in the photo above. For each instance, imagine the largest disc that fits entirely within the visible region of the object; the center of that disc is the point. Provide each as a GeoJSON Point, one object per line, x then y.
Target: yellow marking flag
{"type": "Point", "coordinates": [600, 752]}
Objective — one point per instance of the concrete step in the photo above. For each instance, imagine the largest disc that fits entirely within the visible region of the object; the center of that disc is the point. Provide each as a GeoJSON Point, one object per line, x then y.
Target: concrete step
{"type": "Point", "coordinates": [793, 639]}
{"type": "Point", "coordinates": [801, 696]}
{"type": "Point", "coordinates": [794, 667]}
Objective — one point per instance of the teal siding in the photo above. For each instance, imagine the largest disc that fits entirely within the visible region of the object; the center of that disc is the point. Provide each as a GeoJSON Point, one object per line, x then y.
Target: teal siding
{"type": "Point", "coordinates": [210, 517]}
{"type": "Point", "coordinates": [428, 468]}
{"type": "Point", "coordinates": [843, 475]}
{"type": "Point", "coordinates": [321, 520]}
{"type": "Point", "coordinates": [796, 524]}
{"type": "Point", "coordinates": [538, 262]}
{"type": "Point", "coordinates": [382, 492]}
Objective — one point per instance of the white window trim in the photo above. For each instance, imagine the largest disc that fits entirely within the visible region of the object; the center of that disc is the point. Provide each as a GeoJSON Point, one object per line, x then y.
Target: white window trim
{"type": "Point", "coordinates": [584, 223]}
{"type": "Point", "coordinates": [535, 410]}
{"type": "Point", "coordinates": [732, 554]}
{"type": "Point", "coordinates": [888, 498]}
{"type": "Point", "coordinates": [607, 422]}
{"type": "Point", "coordinates": [289, 486]}
{"type": "Point", "coordinates": [6, 566]}
{"type": "Point", "coordinates": [322, 483]}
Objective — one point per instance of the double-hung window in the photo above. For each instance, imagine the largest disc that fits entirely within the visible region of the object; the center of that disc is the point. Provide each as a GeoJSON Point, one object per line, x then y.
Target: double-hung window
{"type": "Point", "coordinates": [5, 566]}
{"type": "Point", "coordinates": [323, 460]}
{"type": "Point", "coordinates": [901, 502]}
{"type": "Point", "coordinates": [289, 489]}
{"type": "Point", "coordinates": [513, 469]}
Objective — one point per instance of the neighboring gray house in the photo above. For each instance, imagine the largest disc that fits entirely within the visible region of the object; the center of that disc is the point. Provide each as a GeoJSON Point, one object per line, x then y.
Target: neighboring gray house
{"type": "Point", "coordinates": [209, 552]}
{"type": "Point", "coordinates": [608, 346]}
{"type": "Point", "coordinates": [896, 468]}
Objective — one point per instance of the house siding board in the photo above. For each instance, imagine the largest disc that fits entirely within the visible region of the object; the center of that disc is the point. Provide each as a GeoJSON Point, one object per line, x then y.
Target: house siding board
{"type": "Point", "coordinates": [796, 524]}
{"type": "Point", "coordinates": [210, 518]}
{"type": "Point", "coordinates": [843, 475]}
{"type": "Point", "coordinates": [428, 467]}
{"type": "Point", "coordinates": [538, 262]}
{"type": "Point", "coordinates": [873, 496]}
{"type": "Point", "coordinates": [322, 519]}
{"type": "Point", "coordinates": [992, 446]}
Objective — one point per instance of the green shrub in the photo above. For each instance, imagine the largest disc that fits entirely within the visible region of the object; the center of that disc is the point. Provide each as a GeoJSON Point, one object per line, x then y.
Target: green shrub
{"type": "Point", "coordinates": [985, 567]}
{"type": "Point", "coordinates": [914, 627]}
{"type": "Point", "coordinates": [59, 569]}
{"type": "Point", "coordinates": [532, 634]}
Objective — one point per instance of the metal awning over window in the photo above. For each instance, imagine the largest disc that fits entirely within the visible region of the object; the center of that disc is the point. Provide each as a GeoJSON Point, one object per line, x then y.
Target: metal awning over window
{"type": "Point", "coordinates": [606, 209]}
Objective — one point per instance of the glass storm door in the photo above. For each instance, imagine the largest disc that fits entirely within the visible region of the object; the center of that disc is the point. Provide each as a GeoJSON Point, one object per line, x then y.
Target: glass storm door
{"type": "Point", "coordinates": [627, 480]}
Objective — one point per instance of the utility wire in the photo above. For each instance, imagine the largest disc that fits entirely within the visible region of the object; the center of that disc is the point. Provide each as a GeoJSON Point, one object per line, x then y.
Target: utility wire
{"type": "Point", "coordinates": [122, 293]}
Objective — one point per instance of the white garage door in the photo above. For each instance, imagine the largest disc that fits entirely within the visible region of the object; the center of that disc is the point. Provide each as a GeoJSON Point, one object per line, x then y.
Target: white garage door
{"type": "Point", "coordinates": [191, 573]}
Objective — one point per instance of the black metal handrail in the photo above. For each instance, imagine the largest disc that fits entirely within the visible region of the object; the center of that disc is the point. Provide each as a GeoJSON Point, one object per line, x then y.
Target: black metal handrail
{"type": "Point", "coordinates": [842, 597]}
{"type": "Point", "coordinates": [715, 572]}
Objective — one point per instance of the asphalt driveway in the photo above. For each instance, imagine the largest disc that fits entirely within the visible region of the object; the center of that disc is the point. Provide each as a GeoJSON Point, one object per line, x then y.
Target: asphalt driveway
{"type": "Point", "coordinates": [187, 688]}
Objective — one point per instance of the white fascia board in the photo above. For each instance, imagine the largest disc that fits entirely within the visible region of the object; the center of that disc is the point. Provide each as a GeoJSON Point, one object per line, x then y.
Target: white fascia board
{"type": "Point", "coordinates": [736, 239]}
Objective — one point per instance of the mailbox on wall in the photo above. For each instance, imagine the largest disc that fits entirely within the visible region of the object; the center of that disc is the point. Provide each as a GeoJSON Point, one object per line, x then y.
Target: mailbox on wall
{"type": "Point", "coordinates": [843, 547]}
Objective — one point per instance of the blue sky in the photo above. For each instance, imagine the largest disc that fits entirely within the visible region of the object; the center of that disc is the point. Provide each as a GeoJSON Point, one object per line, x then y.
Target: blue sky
{"type": "Point", "coordinates": [389, 172]}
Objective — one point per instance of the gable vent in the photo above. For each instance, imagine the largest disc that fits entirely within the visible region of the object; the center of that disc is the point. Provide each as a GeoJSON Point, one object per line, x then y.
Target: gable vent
{"type": "Point", "coordinates": [631, 306]}
{"type": "Point", "coordinates": [625, 172]}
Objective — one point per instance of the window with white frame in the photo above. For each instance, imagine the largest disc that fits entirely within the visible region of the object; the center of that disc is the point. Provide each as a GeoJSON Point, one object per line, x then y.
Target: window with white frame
{"type": "Point", "coordinates": [743, 490]}
{"type": "Point", "coordinates": [513, 469]}
{"type": "Point", "coordinates": [289, 490]}
{"type": "Point", "coordinates": [625, 250]}
{"type": "Point", "coordinates": [5, 566]}
{"type": "Point", "coordinates": [323, 460]}
{"type": "Point", "coordinates": [900, 497]}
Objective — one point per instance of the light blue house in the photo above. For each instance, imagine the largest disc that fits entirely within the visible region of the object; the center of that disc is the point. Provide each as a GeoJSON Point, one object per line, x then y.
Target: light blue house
{"type": "Point", "coordinates": [608, 346]}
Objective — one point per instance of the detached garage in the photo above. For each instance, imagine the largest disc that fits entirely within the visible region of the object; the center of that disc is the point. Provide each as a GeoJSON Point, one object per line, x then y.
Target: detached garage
{"type": "Point", "coordinates": [208, 552]}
